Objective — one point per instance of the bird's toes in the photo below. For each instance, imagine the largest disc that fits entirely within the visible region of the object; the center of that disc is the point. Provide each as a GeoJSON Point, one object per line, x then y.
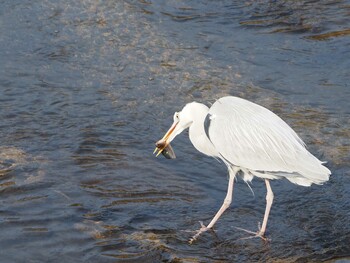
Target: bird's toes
{"type": "Point", "coordinates": [199, 232]}
{"type": "Point", "coordinates": [259, 226]}
{"type": "Point", "coordinates": [247, 231]}
{"type": "Point", "coordinates": [203, 227]}
{"type": "Point", "coordinates": [259, 234]}
{"type": "Point", "coordinates": [262, 236]}
{"type": "Point", "coordinates": [194, 238]}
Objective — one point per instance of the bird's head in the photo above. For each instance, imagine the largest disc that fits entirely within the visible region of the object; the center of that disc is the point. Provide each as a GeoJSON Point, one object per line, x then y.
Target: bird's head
{"type": "Point", "coordinates": [182, 120]}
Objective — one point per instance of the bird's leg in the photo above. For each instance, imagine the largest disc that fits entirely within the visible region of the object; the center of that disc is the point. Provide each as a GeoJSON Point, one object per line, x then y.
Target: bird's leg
{"type": "Point", "coordinates": [262, 229]}
{"type": "Point", "coordinates": [269, 200]}
{"type": "Point", "coordinates": [225, 205]}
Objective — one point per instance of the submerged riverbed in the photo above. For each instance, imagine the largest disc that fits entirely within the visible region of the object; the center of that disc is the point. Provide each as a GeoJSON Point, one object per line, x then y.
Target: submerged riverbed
{"type": "Point", "coordinates": [87, 87]}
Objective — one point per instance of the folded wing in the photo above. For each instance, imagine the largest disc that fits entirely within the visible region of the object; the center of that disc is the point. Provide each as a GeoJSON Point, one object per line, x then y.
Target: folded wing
{"type": "Point", "coordinates": [250, 136]}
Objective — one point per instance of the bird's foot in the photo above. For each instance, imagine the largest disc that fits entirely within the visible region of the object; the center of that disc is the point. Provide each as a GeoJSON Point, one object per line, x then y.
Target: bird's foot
{"type": "Point", "coordinates": [259, 233]}
{"type": "Point", "coordinates": [200, 231]}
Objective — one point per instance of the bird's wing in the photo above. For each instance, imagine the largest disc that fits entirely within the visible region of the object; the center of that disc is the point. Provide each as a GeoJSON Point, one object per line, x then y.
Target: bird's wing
{"type": "Point", "coordinates": [250, 136]}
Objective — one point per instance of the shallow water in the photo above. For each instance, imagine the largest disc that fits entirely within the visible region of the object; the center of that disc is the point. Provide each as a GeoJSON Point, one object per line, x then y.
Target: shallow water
{"type": "Point", "coordinates": [87, 87]}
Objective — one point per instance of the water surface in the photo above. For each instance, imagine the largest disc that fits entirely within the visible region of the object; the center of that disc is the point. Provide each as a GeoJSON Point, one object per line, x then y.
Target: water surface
{"type": "Point", "coordinates": [87, 87]}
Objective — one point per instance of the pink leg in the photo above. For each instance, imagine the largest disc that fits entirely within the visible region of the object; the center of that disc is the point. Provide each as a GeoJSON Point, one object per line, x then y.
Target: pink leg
{"type": "Point", "coordinates": [269, 200]}
{"type": "Point", "coordinates": [262, 229]}
{"type": "Point", "coordinates": [225, 205]}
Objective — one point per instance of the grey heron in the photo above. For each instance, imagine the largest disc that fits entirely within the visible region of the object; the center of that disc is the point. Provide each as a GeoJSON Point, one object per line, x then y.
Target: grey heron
{"type": "Point", "coordinates": [248, 138]}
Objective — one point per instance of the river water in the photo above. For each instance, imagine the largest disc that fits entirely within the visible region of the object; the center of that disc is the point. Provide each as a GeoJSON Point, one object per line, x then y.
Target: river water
{"type": "Point", "coordinates": [87, 87]}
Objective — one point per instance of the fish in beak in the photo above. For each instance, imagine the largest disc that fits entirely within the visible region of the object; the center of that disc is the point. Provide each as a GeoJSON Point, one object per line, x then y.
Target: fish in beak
{"type": "Point", "coordinates": [168, 152]}
{"type": "Point", "coordinates": [163, 145]}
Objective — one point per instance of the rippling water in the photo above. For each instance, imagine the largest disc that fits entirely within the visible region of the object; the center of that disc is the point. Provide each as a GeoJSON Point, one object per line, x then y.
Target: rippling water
{"type": "Point", "coordinates": [87, 87]}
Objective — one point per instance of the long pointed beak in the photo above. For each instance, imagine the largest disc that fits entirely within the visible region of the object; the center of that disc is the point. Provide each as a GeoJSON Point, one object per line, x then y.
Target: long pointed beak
{"type": "Point", "coordinates": [164, 142]}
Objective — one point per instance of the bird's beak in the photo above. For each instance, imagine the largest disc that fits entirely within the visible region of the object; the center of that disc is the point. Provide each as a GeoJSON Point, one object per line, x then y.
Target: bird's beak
{"type": "Point", "coordinates": [165, 141]}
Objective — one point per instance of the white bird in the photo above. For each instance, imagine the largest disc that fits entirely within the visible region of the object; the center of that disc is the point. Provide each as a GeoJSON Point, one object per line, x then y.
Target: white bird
{"type": "Point", "coordinates": [248, 138]}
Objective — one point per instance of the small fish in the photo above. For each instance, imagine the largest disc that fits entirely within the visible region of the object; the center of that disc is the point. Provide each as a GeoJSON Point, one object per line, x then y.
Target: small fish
{"type": "Point", "coordinates": [167, 151]}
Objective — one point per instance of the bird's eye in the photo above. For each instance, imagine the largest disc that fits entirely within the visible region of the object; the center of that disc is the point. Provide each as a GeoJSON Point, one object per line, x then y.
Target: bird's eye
{"type": "Point", "coordinates": [176, 116]}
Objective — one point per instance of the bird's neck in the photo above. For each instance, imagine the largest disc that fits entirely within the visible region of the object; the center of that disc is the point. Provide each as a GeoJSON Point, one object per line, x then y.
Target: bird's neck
{"type": "Point", "coordinates": [197, 133]}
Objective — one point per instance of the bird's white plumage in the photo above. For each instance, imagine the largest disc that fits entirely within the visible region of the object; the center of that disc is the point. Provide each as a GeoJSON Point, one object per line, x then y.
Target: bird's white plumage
{"type": "Point", "coordinates": [250, 138]}
{"type": "Point", "coordinates": [261, 143]}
